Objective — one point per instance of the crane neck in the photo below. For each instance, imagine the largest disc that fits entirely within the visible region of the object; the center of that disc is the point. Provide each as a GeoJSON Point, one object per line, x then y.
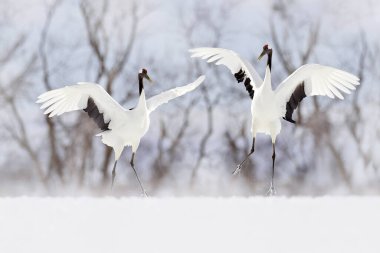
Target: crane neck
{"type": "Point", "coordinates": [141, 84]}
{"type": "Point", "coordinates": [267, 84]}
{"type": "Point", "coordinates": [269, 62]}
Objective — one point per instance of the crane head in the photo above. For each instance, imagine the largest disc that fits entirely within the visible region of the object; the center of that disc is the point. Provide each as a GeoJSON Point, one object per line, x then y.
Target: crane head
{"type": "Point", "coordinates": [266, 50]}
{"type": "Point", "coordinates": [144, 74]}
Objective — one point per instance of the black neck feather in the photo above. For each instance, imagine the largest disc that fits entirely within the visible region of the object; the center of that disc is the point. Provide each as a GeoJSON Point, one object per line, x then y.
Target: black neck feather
{"type": "Point", "coordinates": [269, 62]}
{"type": "Point", "coordinates": [141, 85]}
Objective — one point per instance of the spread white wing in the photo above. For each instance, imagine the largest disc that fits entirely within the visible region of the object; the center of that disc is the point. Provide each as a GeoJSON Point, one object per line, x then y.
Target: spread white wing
{"type": "Point", "coordinates": [164, 97]}
{"type": "Point", "coordinates": [231, 60]}
{"type": "Point", "coordinates": [317, 80]}
{"type": "Point", "coordinates": [75, 97]}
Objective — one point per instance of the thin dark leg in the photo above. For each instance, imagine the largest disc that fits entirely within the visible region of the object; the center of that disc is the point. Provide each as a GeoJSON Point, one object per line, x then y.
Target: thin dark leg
{"type": "Point", "coordinates": [113, 173]}
{"type": "Point", "coordinates": [238, 168]}
{"type": "Point", "coordinates": [272, 189]}
{"type": "Point", "coordinates": [138, 179]}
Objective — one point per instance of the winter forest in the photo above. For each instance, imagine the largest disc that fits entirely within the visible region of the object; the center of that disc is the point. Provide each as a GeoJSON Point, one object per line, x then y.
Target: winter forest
{"type": "Point", "coordinates": [193, 143]}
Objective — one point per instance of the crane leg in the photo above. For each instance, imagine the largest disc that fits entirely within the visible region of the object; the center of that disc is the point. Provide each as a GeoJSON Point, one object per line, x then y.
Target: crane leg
{"type": "Point", "coordinates": [238, 168]}
{"type": "Point", "coordinates": [272, 189]}
{"type": "Point", "coordinates": [138, 179]}
{"type": "Point", "coordinates": [113, 174]}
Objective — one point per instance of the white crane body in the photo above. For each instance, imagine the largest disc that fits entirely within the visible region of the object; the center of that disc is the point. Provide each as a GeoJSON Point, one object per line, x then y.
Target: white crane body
{"type": "Point", "coordinates": [265, 109]}
{"type": "Point", "coordinates": [133, 124]}
{"type": "Point", "coordinates": [120, 127]}
{"type": "Point", "coordinates": [270, 106]}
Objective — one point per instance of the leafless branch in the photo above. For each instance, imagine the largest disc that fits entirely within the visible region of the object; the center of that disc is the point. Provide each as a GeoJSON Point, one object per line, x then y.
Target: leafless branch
{"type": "Point", "coordinates": [55, 162]}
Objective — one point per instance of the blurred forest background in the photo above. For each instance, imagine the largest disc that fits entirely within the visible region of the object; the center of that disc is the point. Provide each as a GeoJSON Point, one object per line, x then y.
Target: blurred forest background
{"type": "Point", "coordinates": [195, 142]}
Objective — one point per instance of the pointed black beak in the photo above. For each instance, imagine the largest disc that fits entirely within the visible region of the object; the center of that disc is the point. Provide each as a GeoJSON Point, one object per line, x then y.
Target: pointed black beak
{"type": "Point", "coordinates": [261, 55]}
{"type": "Point", "coordinates": [148, 78]}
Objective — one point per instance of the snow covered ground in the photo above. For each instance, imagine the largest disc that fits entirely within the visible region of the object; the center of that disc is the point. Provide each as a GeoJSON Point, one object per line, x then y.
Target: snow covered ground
{"type": "Point", "coordinates": [257, 224]}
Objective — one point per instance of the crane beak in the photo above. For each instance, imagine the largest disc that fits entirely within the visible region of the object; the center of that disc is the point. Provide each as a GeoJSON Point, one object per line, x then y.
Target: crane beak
{"type": "Point", "coordinates": [148, 78]}
{"type": "Point", "coordinates": [261, 55]}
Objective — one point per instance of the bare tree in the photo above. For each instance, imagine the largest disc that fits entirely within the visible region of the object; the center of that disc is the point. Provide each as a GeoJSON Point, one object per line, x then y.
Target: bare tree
{"type": "Point", "coordinates": [16, 127]}
{"type": "Point", "coordinates": [55, 161]}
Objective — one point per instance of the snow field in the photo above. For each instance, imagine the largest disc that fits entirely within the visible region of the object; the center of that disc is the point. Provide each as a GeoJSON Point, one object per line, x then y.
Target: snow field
{"type": "Point", "coordinates": [257, 224]}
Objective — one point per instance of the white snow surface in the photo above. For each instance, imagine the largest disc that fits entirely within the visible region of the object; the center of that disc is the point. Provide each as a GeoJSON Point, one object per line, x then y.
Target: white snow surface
{"type": "Point", "coordinates": [256, 224]}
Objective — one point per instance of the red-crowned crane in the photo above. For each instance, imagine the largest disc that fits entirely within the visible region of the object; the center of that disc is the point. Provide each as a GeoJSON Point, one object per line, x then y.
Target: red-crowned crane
{"type": "Point", "coordinates": [268, 105]}
{"type": "Point", "coordinates": [121, 127]}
